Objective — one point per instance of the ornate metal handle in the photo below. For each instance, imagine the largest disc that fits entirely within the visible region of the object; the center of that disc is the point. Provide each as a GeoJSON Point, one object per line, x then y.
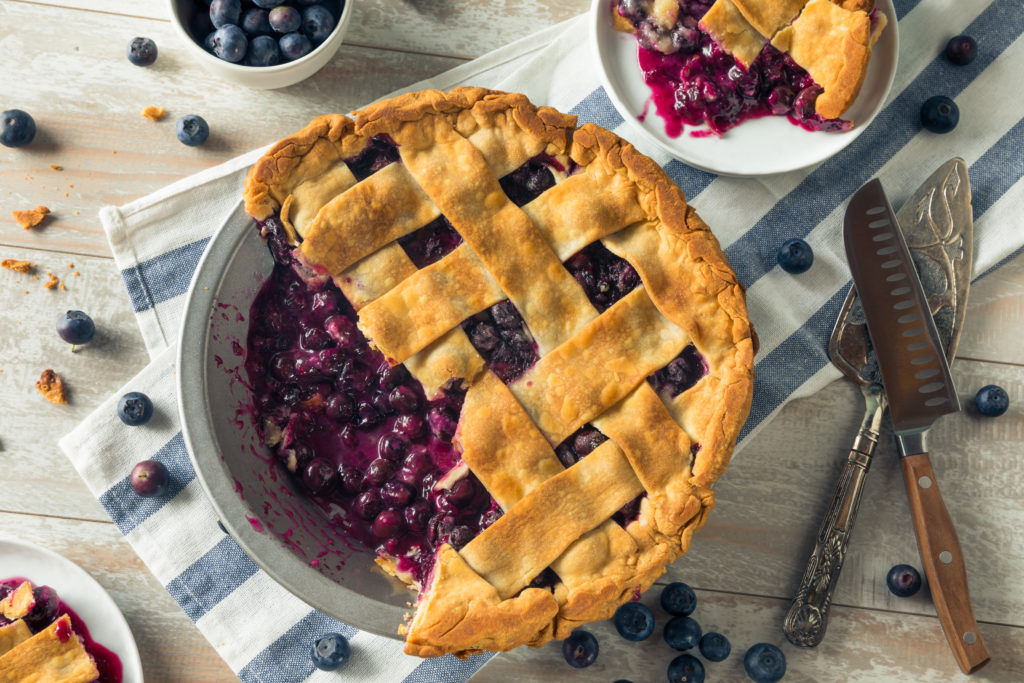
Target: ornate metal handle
{"type": "Point", "coordinates": [807, 617]}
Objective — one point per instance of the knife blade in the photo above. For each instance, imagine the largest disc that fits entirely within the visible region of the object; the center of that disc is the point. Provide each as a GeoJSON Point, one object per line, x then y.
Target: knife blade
{"type": "Point", "coordinates": [919, 390]}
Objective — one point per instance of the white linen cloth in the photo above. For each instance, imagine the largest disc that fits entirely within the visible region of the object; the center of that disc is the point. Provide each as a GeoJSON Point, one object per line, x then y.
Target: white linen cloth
{"type": "Point", "coordinates": [262, 631]}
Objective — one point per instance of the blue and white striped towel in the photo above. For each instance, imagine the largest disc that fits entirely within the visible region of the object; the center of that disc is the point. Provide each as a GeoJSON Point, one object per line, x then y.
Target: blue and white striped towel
{"type": "Point", "coordinates": [262, 631]}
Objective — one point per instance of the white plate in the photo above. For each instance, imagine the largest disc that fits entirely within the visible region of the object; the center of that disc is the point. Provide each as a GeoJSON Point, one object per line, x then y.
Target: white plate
{"type": "Point", "coordinates": [81, 593]}
{"type": "Point", "coordinates": [758, 147]}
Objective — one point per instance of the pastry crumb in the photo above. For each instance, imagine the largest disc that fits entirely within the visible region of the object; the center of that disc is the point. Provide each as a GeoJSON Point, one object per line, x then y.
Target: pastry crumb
{"type": "Point", "coordinates": [16, 265]}
{"type": "Point", "coordinates": [55, 167]}
{"type": "Point", "coordinates": [30, 218]}
{"type": "Point", "coordinates": [63, 288]}
{"type": "Point", "coordinates": [70, 264]}
{"type": "Point", "coordinates": [77, 273]}
{"type": "Point", "coordinates": [51, 387]}
{"type": "Point", "coordinates": [52, 282]}
{"type": "Point", "coordinates": [153, 112]}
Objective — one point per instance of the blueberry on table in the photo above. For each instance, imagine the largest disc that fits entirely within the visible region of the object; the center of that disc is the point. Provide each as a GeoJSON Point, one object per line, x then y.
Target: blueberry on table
{"type": "Point", "coordinates": [263, 51]}
{"type": "Point", "coordinates": [135, 409]}
{"type": "Point", "coordinates": [142, 51]}
{"type": "Point", "coordinates": [714, 646]}
{"type": "Point", "coordinates": [331, 652]}
{"type": "Point", "coordinates": [295, 46]}
{"type": "Point", "coordinates": [961, 50]}
{"type": "Point", "coordinates": [18, 128]}
{"type": "Point", "coordinates": [580, 649]}
{"type": "Point", "coordinates": [682, 633]}
{"type": "Point", "coordinates": [939, 114]}
{"type": "Point", "coordinates": [795, 256]}
{"type": "Point", "coordinates": [317, 23]}
{"type": "Point", "coordinates": [678, 599]}
{"type": "Point", "coordinates": [229, 43]}
{"type": "Point", "coordinates": [225, 12]}
{"type": "Point", "coordinates": [634, 621]}
{"type": "Point", "coordinates": [284, 19]}
{"type": "Point", "coordinates": [991, 400]}
{"type": "Point", "coordinates": [76, 327]}
{"type": "Point", "coordinates": [765, 663]}
{"type": "Point", "coordinates": [149, 478]}
{"type": "Point", "coordinates": [685, 669]}
{"type": "Point", "coordinates": [192, 130]}
{"type": "Point", "coordinates": [903, 580]}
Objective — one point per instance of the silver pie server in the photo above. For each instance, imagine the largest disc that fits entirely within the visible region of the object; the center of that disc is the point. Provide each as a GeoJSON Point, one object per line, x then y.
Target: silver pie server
{"type": "Point", "coordinates": [938, 227]}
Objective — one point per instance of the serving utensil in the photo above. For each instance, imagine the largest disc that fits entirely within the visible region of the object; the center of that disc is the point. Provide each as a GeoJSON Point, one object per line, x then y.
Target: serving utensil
{"type": "Point", "coordinates": [919, 390]}
{"type": "Point", "coordinates": [938, 227]}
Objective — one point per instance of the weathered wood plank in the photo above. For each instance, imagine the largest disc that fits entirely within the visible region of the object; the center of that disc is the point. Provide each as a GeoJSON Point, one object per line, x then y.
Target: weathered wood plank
{"type": "Point", "coordinates": [172, 649]}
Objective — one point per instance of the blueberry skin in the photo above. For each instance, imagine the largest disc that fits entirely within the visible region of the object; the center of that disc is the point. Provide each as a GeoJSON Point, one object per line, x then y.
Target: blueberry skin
{"type": "Point", "coordinates": [331, 652]}
{"type": "Point", "coordinates": [714, 646]}
{"type": "Point", "coordinates": [263, 51]}
{"type": "Point", "coordinates": [266, 4]}
{"type": "Point", "coordinates": [795, 256]}
{"type": "Point", "coordinates": [295, 46]}
{"type": "Point", "coordinates": [580, 649]}
{"type": "Point", "coordinates": [284, 19]}
{"type": "Point", "coordinates": [939, 114]}
{"type": "Point", "coordinates": [903, 580]}
{"type": "Point", "coordinates": [685, 668]}
{"type": "Point", "coordinates": [224, 12]}
{"type": "Point", "coordinates": [256, 22]}
{"type": "Point", "coordinates": [634, 621]}
{"type": "Point", "coordinates": [142, 51]}
{"type": "Point", "coordinates": [230, 43]}
{"type": "Point", "coordinates": [76, 327]}
{"type": "Point", "coordinates": [18, 128]}
{"type": "Point", "coordinates": [682, 633]}
{"type": "Point", "coordinates": [992, 400]}
{"type": "Point", "coordinates": [192, 130]}
{"type": "Point", "coordinates": [317, 23]}
{"type": "Point", "coordinates": [961, 50]}
{"type": "Point", "coordinates": [149, 478]}
{"type": "Point", "coordinates": [135, 409]}
{"type": "Point", "coordinates": [678, 599]}
{"type": "Point", "coordinates": [765, 663]}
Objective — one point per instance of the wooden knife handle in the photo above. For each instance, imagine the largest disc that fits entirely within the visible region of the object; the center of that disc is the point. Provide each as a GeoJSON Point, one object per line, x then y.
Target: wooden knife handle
{"type": "Point", "coordinates": [943, 563]}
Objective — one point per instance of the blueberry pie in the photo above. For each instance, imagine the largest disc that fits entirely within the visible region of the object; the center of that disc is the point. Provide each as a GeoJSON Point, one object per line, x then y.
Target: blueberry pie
{"type": "Point", "coordinates": [499, 350]}
{"type": "Point", "coordinates": [720, 62]}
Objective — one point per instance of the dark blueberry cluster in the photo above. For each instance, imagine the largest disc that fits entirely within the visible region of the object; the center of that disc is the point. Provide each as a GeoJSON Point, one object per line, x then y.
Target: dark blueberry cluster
{"type": "Point", "coordinates": [261, 33]}
{"type": "Point", "coordinates": [430, 243]}
{"type": "Point", "coordinates": [527, 182]}
{"type": "Point", "coordinates": [683, 372]}
{"type": "Point", "coordinates": [605, 277]}
{"type": "Point", "coordinates": [501, 338]}
{"type": "Point", "coordinates": [378, 153]}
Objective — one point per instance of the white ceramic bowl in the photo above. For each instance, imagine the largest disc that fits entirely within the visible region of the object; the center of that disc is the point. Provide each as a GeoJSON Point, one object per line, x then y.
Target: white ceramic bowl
{"type": "Point", "coordinates": [259, 77]}
{"type": "Point", "coordinates": [757, 147]}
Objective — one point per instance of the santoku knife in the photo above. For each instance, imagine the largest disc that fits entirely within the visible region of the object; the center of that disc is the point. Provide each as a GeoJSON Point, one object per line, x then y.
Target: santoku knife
{"type": "Point", "coordinates": [919, 390]}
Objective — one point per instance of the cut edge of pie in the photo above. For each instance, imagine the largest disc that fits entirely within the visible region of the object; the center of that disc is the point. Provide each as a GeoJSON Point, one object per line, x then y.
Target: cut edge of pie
{"type": "Point", "coordinates": [55, 654]}
{"type": "Point", "coordinates": [478, 598]}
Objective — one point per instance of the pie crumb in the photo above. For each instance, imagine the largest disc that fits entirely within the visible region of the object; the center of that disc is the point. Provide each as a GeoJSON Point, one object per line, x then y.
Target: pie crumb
{"type": "Point", "coordinates": [51, 387]}
{"type": "Point", "coordinates": [55, 167]}
{"type": "Point", "coordinates": [153, 112]}
{"type": "Point", "coordinates": [63, 288]}
{"type": "Point", "coordinates": [17, 266]}
{"type": "Point", "coordinates": [52, 282]}
{"type": "Point", "coordinates": [30, 218]}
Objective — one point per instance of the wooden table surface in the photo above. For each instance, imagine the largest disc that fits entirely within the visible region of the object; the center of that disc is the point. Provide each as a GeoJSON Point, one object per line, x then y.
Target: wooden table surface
{"type": "Point", "coordinates": [63, 61]}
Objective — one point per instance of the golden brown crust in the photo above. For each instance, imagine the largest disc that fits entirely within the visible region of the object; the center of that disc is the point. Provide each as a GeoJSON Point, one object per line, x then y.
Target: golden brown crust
{"type": "Point", "coordinates": [51, 386]}
{"type": "Point", "coordinates": [54, 655]}
{"type": "Point", "coordinates": [16, 265]}
{"type": "Point", "coordinates": [726, 24]}
{"type": "Point", "coordinates": [18, 602]}
{"type": "Point", "coordinates": [476, 599]}
{"type": "Point", "coordinates": [12, 635]}
{"type": "Point", "coordinates": [30, 218]}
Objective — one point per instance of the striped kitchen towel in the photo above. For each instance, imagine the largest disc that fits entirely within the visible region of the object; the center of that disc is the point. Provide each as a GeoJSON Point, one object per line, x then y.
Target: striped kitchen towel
{"type": "Point", "coordinates": [263, 632]}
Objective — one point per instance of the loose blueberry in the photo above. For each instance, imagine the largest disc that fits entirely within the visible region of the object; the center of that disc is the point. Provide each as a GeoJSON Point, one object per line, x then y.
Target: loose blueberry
{"type": "Point", "coordinates": [317, 23]}
{"type": "Point", "coordinates": [685, 669]}
{"type": "Point", "coordinates": [284, 19]}
{"type": "Point", "coordinates": [192, 130]}
{"type": "Point", "coordinates": [256, 22]}
{"type": "Point", "coordinates": [939, 114]}
{"type": "Point", "coordinates": [135, 409]}
{"type": "Point", "coordinates": [295, 46]}
{"type": "Point", "coordinates": [678, 599]}
{"type": "Point", "coordinates": [142, 51]}
{"type": "Point", "coordinates": [149, 478]}
{"type": "Point", "coordinates": [714, 646]}
{"type": "Point", "coordinates": [19, 128]}
{"type": "Point", "coordinates": [903, 580]}
{"type": "Point", "coordinates": [795, 256]}
{"type": "Point", "coordinates": [230, 43]}
{"type": "Point", "coordinates": [580, 649]}
{"type": "Point", "coordinates": [319, 476]}
{"type": "Point", "coordinates": [992, 400]}
{"type": "Point", "coordinates": [765, 663]}
{"type": "Point", "coordinates": [634, 621]}
{"type": "Point", "coordinates": [225, 12]}
{"type": "Point", "coordinates": [263, 51]}
{"type": "Point", "coordinates": [682, 633]}
{"type": "Point", "coordinates": [961, 50]}
{"type": "Point", "coordinates": [331, 652]}
{"type": "Point", "coordinates": [75, 327]}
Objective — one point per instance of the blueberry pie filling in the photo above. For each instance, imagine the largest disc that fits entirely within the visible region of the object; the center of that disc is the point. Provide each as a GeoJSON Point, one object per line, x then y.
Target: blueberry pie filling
{"type": "Point", "coordinates": [500, 351]}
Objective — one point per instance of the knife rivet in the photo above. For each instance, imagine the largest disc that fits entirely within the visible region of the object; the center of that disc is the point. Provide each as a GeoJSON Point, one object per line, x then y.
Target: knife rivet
{"type": "Point", "coordinates": [925, 482]}
{"type": "Point", "coordinates": [945, 557]}
{"type": "Point", "coordinates": [970, 638]}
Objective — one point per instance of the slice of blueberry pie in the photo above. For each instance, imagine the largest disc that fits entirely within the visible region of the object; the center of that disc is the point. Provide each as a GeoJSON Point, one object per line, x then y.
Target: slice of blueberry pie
{"type": "Point", "coordinates": [720, 62]}
{"type": "Point", "coordinates": [504, 347]}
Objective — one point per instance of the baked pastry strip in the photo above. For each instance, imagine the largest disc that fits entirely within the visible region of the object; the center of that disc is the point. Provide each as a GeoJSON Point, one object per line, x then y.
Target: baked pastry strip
{"type": "Point", "coordinates": [769, 17]}
{"type": "Point", "coordinates": [50, 656]}
{"type": "Point", "coordinates": [18, 602]}
{"type": "Point", "coordinates": [375, 275]}
{"type": "Point", "coordinates": [726, 24]}
{"type": "Point", "coordinates": [449, 357]}
{"type": "Point", "coordinates": [12, 634]}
